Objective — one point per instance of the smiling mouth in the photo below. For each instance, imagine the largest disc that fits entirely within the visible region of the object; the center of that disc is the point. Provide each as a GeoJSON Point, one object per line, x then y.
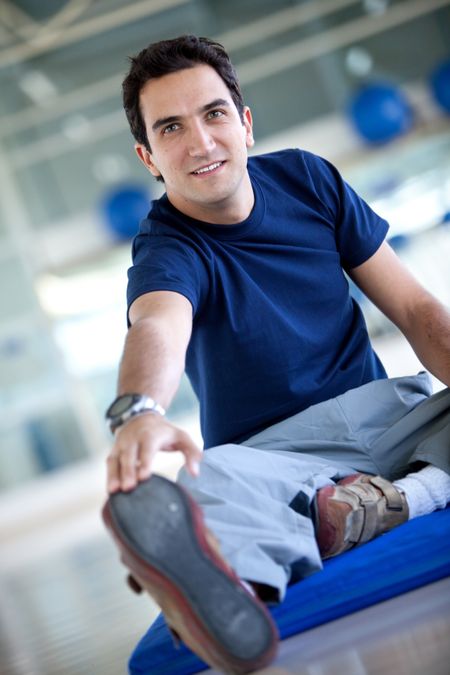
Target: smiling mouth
{"type": "Point", "coordinates": [207, 169]}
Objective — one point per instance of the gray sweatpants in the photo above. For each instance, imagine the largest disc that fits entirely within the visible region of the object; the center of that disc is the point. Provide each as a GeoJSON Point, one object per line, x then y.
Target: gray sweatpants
{"type": "Point", "coordinates": [256, 496]}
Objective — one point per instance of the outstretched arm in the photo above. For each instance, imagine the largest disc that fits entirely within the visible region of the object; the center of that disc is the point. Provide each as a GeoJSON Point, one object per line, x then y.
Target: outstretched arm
{"type": "Point", "coordinates": [152, 364]}
{"type": "Point", "coordinates": [423, 320]}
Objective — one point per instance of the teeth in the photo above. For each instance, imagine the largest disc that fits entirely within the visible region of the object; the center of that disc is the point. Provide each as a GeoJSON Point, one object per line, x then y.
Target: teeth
{"type": "Point", "coordinates": [211, 167]}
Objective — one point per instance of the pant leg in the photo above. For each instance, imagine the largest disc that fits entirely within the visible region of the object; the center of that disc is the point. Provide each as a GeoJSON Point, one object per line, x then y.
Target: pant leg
{"type": "Point", "coordinates": [256, 496]}
{"type": "Point", "coordinates": [398, 422]}
{"type": "Point", "coordinates": [381, 428]}
{"type": "Point", "coordinates": [257, 503]}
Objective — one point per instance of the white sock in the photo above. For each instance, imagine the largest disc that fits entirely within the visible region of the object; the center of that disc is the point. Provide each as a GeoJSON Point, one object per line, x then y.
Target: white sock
{"type": "Point", "coordinates": [426, 490]}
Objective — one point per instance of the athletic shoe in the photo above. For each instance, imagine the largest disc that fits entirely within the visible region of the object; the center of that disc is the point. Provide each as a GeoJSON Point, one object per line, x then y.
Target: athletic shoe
{"type": "Point", "coordinates": [355, 510]}
{"type": "Point", "coordinates": [163, 541]}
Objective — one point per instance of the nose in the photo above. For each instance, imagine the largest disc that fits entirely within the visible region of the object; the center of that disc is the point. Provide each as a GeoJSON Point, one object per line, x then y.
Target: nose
{"type": "Point", "coordinates": [200, 141]}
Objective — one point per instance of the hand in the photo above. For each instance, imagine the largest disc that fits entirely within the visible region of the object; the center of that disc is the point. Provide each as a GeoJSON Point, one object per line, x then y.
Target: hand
{"type": "Point", "coordinates": [136, 444]}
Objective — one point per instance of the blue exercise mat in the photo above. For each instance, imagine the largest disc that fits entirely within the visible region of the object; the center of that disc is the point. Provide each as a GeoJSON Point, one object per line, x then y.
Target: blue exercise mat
{"type": "Point", "coordinates": [412, 555]}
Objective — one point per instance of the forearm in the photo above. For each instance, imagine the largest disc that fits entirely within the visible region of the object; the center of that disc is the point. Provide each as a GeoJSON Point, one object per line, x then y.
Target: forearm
{"type": "Point", "coordinates": [422, 318]}
{"type": "Point", "coordinates": [428, 332]}
{"type": "Point", "coordinates": [152, 362]}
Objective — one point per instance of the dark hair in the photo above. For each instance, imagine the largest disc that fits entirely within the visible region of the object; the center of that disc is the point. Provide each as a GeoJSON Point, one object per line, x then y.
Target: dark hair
{"type": "Point", "coordinates": [169, 56]}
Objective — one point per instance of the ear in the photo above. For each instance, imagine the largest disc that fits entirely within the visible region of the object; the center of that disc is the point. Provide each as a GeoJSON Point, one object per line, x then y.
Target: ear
{"type": "Point", "coordinates": [146, 158]}
{"type": "Point", "coordinates": [248, 125]}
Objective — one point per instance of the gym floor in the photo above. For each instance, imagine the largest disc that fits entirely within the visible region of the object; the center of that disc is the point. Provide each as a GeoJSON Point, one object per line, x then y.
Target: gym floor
{"type": "Point", "coordinates": [407, 635]}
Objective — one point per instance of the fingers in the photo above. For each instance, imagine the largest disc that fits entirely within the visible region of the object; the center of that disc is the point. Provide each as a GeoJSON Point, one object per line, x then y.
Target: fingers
{"type": "Point", "coordinates": [123, 461]}
{"type": "Point", "coordinates": [136, 445]}
{"type": "Point", "coordinates": [191, 451]}
{"type": "Point", "coordinates": [146, 456]}
{"type": "Point", "coordinates": [122, 466]}
{"type": "Point", "coordinates": [128, 467]}
{"type": "Point", "coordinates": [113, 474]}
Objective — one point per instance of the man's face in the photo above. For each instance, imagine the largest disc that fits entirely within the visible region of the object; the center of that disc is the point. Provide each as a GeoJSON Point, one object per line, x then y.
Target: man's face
{"type": "Point", "coordinates": [198, 144]}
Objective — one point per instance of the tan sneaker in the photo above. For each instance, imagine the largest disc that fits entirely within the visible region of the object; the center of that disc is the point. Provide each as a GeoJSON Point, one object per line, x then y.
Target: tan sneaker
{"type": "Point", "coordinates": [163, 541]}
{"type": "Point", "coordinates": [358, 508]}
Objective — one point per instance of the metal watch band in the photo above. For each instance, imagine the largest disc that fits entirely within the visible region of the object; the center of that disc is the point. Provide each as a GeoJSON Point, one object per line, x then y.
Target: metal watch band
{"type": "Point", "coordinates": [151, 405]}
{"type": "Point", "coordinates": [144, 404]}
{"type": "Point", "coordinates": [125, 418]}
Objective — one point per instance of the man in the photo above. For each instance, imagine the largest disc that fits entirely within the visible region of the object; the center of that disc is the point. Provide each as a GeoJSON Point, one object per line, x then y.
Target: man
{"type": "Point", "coordinates": [238, 276]}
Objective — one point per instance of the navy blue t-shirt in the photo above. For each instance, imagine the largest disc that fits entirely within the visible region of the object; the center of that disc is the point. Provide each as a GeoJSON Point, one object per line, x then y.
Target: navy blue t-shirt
{"type": "Point", "coordinates": [275, 329]}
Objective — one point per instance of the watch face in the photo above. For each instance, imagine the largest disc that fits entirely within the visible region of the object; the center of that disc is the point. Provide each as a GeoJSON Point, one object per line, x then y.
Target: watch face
{"type": "Point", "coordinates": [121, 405]}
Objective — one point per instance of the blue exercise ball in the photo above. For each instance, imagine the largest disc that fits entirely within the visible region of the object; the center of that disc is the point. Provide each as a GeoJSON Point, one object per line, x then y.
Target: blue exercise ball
{"type": "Point", "coordinates": [399, 242]}
{"type": "Point", "coordinates": [440, 84]}
{"type": "Point", "coordinates": [123, 208]}
{"type": "Point", "coordinates": [445, 220]}
{"type": "Point", "coordinates": [380, 112]}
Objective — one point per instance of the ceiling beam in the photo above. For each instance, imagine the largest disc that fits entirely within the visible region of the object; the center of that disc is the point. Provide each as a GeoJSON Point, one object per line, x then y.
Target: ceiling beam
{"type": "Point", "coordinates": [334, 38]}
{"type": "Point", "coordinates": [250, 71]}
{"type": "Point", "coordinates": [46, 41]}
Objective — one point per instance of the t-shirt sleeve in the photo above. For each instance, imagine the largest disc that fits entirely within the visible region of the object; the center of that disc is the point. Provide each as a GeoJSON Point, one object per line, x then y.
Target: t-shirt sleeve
{"type": "Point", "coordinates": [164, 263]}
{"type": "Point", "coordinates": [359, 231]}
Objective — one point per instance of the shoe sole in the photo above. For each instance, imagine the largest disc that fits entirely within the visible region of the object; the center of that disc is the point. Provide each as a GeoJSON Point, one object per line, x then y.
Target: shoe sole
{"type": "Point", "coordinates": [161, 535]}
{"type": "Point", "coordinates": [329, 532]}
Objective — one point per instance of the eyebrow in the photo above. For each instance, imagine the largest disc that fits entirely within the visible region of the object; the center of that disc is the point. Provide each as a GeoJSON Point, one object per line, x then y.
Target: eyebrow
{"type": "Point", "coordinates": [163, 121]}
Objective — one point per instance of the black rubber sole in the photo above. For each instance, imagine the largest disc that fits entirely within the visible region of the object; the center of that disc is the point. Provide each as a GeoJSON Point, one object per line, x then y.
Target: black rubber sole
{"type": "Point", "coordinates": [156, 520]}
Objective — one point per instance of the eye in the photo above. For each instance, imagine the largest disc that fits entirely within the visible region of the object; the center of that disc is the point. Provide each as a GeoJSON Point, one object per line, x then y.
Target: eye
{"type": "Point", "coordinates": [171, 128]}
{"type": "Point", "coordinates": [214, 114]}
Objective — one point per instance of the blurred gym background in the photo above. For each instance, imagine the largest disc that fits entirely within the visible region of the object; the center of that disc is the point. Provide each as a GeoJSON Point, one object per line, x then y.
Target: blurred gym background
{"type": "Point", "coordinates": [365, 83]}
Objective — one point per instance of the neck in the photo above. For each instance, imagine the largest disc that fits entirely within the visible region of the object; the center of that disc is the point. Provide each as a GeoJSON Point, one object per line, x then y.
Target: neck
{"type": "Point", "coordinates": [231, 210]}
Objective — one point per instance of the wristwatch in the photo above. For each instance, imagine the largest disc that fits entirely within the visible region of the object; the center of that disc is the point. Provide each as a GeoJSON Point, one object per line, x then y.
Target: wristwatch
{"type": "Point", "coordinates": [127, 406]}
